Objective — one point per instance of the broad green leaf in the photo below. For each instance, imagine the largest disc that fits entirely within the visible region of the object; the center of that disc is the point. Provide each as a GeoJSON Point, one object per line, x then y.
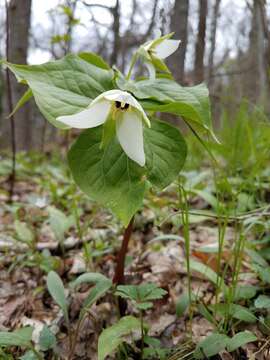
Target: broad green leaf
{"type": "Point", "coordinates": [113, 336]}
{"type": "Point", "coordinates": [21, 337]}
{"type": "Point", "coordinates": [94, 59]}
{"type": "Point", "coordinates": [164, 95]}
{"type": "Point", "coordinates": [47, 339]}
{"type": "Point", "coordinates": [90, 278]}
{"type": "Point", "coordinates": [66, 86]}
{"type": "Point", "coordinates": [107, 175]}
{"type": "Point", "coordinates": [211, 346]}
{"type": "Point", "coordinates": [262, 302]}
{"type": "Point", "coordinates": [240, 339]}
{"type": "Point", "coordinates": [166, 153]}
{"type": "Point", "coordinates": [57, 291]}
{"type": "Point", "coordinates": [23, 232]}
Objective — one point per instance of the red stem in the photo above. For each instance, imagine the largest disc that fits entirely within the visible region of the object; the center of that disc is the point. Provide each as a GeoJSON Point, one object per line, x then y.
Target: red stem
{"type": "Point", "coordinates": [119, 277]}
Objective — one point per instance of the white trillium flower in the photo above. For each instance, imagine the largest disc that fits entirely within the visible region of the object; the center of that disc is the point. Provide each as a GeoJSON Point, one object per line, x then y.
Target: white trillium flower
{"type": "Point", "coordinates": [127, 113]}
{"type": "Point", "coordinates": [161, 47]}
{"type": "Point", "coordinates": [155, 51]}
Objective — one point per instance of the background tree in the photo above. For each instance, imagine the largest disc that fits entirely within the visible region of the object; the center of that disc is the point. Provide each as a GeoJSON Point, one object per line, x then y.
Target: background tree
{"type": "Point", "coordinates": [19, 26]}
{"type": "Point", "coordinates": [213, 32]}
{"type": "Point", "coordinates": [179, 25]}
{"type": "Point", "coordinates": [200, 43]}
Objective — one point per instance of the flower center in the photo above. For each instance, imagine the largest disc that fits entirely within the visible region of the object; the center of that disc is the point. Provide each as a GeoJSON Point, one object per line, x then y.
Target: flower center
{"type": "Point", "coordinates": [122, 106]}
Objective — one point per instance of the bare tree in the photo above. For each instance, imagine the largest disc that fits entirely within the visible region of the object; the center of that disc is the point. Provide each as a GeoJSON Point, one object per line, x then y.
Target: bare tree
{"type": "Point", "coordinates": [258, 75]}
{"type": "Point", "coordinates": [19, 24]}
{"type": "Point", "coordinates": [179, 25]}
{"type": "Point", "coordinates": [200, 43]}
{"type": "Point", "coordinates": [213, 30]}
{"type": "Point", "coordinates": [116, 32]}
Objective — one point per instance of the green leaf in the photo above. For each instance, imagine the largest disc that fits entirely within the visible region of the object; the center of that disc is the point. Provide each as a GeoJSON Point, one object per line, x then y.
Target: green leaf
{"type": "Point", "coordinates": [59, 222]}
{"type": "Point", "coordinates": [97, 292]}
{"type": "Point", "coordinates": [257, 258]}
{"type": "Point", "coordinates": [245, 292]}
{"type": "Point", "coordinates": [236, 311]}
{"type": "Point", "coordinates": [21, 337]}
{"type": "Point", "coordinates": [263, 272]}
{"type": "Point", "coordinates": [144, 305]}
{"type": "Point", "coordinates": [94, 59]}
{"type": "Point", "coordinates": [262, 302]}
{"type": "Point", "coordinates": [23, 100]}
{"type": "Point", "coordinates": [90, 278]}
{"type": "Point", "coordinates": [166, 153]}
{"type": "Point", "coordinates": [57, 291]}
{"type": "Point", "coordinates": [29, 355]}
{"type": "Point", "coordinates": [208, 273]}
{"type": "Point", "coordinates": [183, 303]}
{"type": "Point", "coordinates": [102, 285]}
{"type": "Point", "coordinates": [47, 339]}
{"type": "Point", "coordinates": [23, 232]}
{"type": "Point", "coordinates": [164, 95]}
{"type": "Point", "coordinates": [113, 336]}
{"type": "Point", "coordinates": [107, 175]}
{"type": "Point", "coordinates": [64, 87]}
{"type": "Point", "coordinates": [210, 346]}
{"type": "Point", "coordinates": [142, 294]}
{"type": "Point", "coordinates": [240, 339]}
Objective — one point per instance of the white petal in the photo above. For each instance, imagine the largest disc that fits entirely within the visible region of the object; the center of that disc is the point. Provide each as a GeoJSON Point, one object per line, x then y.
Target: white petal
{"type": "Point", "coordinates": [95, 115]}
{"type": "Point", "coordinates": [166, 48]}
{"type": "Point", "coordinates": [129, 132]}
{"type": "Point", "coordinates": [127, 98]}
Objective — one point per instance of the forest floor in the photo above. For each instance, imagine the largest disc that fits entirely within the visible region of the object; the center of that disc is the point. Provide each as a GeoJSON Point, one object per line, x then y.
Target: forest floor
{"type": "Point", "coordinates": [51, 225]}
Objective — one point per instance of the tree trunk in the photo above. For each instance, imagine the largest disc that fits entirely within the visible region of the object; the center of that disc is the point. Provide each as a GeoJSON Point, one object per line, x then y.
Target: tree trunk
{"type": "Point", "coordinates": [19, 24]}
{"type": "Point", "coordinates": [258, 74]}
{"type": "Point", "coordinates": [116, 33]}
{"type": "Point", "coordinates": [214, 22]}
{"type": "Point", "coordinates": [179, 25]}
{"type": "Point", "coordinates": [200, 43]}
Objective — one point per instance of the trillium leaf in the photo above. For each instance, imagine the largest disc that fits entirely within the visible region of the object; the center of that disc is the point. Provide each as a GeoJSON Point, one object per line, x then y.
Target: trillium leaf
{"type": "Point", "coordinates": [107, 175]}
{"type": "Point", "coordinates": [165, 95]}
{"type": "Point", "coordinates": [166, 152]}
{"type": "Point", "coordinates": [66, 86]}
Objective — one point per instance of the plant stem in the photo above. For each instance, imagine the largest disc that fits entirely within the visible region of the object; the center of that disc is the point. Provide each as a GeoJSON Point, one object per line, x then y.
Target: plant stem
{"type": "Point", "coordinates": [119, 277]}
{"type": "Point", "coordinates": [133, 62]}
{"type": "Point", "coordinates": [10, 108]}
{"type": "Point", "coordinates": [142, 334]}
{"type": "Point", "coordinates": [72, 342]}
